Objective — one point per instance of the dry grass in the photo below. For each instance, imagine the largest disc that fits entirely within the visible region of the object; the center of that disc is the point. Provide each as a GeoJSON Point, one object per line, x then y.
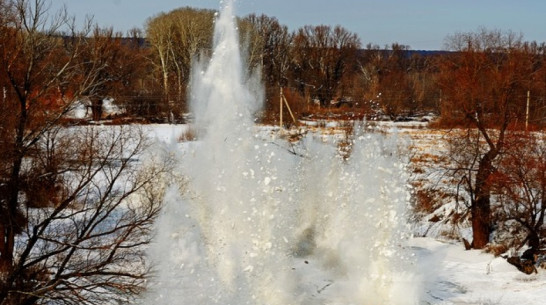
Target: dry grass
{"type": "Point", "coordinates": [434, 192]}
{"type": "Point", "coordinates": [190, 134]}
{"type": "Point", "coordinates": [496, 249]}
{"type": "Point", "coordinates": [425, 201]}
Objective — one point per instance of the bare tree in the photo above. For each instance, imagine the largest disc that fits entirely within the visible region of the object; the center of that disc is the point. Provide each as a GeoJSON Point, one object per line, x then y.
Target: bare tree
{"type": "Point", "coordinates": [520, 186]}
{"type": "Point", "coordinates": [75, 206]}
{"type": "Point", "coordinates": [159, 34]}
{"type": "Point", "coordinates": [114, 64]}
{"type": "Point", "coordinates": [270, 50]}
{"type": "Point", "coordinates": [81, 234]}
{"type": "Point", "coordinates": [394, 82]}
{"type": "Point", "coordinates": [177, 38]}
{"type": "Point", "coordinates": [193, 29]}
{"type": "Point", "coordinates": [322, 57]}
{"type": "Point", "coordinates": [481, 84]}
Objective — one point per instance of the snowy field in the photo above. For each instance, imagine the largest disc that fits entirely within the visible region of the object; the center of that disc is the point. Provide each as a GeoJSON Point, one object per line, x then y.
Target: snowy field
{"type": "Point", "coordinates": [444, 272]}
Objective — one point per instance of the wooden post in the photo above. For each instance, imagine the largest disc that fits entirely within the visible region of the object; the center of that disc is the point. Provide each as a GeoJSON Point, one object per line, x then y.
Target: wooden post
{"type": "Point", "coordinates": [280, 109]}
{"type": "Point", "coordinates": [289, 110]}
{"type": "Point", "coordinates": [527, 111]}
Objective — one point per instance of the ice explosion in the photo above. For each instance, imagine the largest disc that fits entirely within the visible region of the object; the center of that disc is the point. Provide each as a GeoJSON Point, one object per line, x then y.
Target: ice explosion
{"type": "Point", "coordinates": [259, 224]}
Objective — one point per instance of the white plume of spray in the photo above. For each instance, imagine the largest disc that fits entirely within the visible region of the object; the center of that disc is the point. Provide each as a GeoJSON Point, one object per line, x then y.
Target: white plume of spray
{"type": "Point", "coordinates": [259, 225]}
{"type": "Point", "coordinates": [220, 98]}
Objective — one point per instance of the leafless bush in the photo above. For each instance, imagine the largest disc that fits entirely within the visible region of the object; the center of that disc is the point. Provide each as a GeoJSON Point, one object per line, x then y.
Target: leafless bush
{"type": "Point", "coordinates": [520, 187]}
{"type": "Point", "coordinates": [86, 245]}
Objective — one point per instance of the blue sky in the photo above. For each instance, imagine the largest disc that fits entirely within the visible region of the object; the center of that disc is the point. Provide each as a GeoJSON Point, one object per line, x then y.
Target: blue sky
{"type": "Point", "coordinates": [421, 24]}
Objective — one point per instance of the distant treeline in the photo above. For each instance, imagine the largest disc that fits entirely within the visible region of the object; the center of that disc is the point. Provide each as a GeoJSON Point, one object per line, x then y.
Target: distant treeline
{"type": "Point", "coordinates": [323, 70]}
{"type": "Point", "coordinates": [326, 70]}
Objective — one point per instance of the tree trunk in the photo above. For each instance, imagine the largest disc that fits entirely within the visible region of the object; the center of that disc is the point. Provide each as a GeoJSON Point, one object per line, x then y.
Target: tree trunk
{"type": "Point", "coordinates": [481, 205]}
{"type": "Point", "coordinates": [534, 240]}
{"type": "Point", "coordinates": [96, 108]}
{"type": "Point", "coordinates": [8, 242]}
{"type": "Point", "coordinates": [534, 231]}
{"type": "Point", "coordinates": [4, 259]}
{"type": "Point", "coordinates": [481, 228]}
{"type": "Point", "coordinates": [165, 73]}
{"type": "Point", "coordinates": [10, 224]}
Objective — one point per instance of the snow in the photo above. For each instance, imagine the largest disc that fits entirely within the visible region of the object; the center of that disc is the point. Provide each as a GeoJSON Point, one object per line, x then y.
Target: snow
{"type": "Point", "coordinates": [445, 272]}
{"type": "Point", "coordinates": [452, 275]}
{"type": "Point", "coordinates": [166, 133]}
{"type": "Point", "coordinates": [109, 108]}
{"type": "Point", "coordinates": [79, 111]}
